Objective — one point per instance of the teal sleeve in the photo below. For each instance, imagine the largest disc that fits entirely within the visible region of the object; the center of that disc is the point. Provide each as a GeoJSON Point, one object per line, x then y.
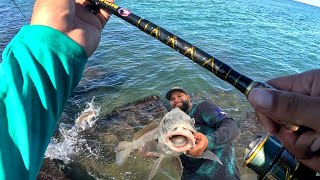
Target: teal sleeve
{"type": "Point", "coordinates": [40, 68]}
{"type": "Point", "coordinates": [218, 127]}
{"type": "Point", "coordinates": [226, 132]}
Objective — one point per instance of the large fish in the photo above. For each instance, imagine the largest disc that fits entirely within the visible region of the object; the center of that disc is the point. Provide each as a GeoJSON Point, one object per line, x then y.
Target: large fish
{"type": "Point", "coordinates": [167, 139]}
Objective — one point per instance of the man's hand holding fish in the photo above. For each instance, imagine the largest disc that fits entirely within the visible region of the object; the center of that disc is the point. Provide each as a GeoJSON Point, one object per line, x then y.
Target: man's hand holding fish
{"type": "Point", "coordinates": [200, 147]}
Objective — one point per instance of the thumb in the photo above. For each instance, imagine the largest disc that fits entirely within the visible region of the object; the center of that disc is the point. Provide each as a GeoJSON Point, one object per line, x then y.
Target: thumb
{"type": "Point", "coordinates": [287, 107]}
{"type": "Point", "coordinates": [197, 135]}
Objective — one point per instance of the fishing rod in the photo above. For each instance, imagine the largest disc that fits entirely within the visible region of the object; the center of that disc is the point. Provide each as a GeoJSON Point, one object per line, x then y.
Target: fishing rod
{"type": "Point", "coordinates": [243, 83]}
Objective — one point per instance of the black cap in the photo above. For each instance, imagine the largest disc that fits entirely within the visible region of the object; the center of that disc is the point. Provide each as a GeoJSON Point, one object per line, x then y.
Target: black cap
{"type": "Point", "coordinates": [174, 89]}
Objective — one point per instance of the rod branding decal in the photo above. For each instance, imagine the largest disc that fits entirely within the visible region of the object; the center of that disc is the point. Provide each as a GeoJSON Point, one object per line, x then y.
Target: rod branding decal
{"type": "Point", "coordinates": [124, 12]}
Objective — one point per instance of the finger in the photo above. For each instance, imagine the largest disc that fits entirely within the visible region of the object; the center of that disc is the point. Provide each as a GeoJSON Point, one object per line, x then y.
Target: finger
{"type": "Point", "coordinates": [85, 14]}
{"type": "Point", "coordinates": [301, 146]}
{"type": "Point", "coordinates": [300, 83]}
{"type": "Point", "coordinates": [193, 152]}
{"type": "Point", "coordinates": [285, 83]}
{"type": "Point", "coordinates": [268, 124]}
{"type": "Point", "coordinates": [190, 151]}
{"type": "Point", "coordinates": [197, 135]}
{"type": "Point", "coordinates": [287, 107]}
{"type": "Point", "coordinates": [312, 163]}
{"type": "Point", "coordinates": [102, 14]}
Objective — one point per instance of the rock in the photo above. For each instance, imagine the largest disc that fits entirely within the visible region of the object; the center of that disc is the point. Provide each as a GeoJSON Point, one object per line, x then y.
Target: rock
{"type": "Point", "coordinates": [108, 139]}
{"type": "Point", "coordinates": [52, 170]}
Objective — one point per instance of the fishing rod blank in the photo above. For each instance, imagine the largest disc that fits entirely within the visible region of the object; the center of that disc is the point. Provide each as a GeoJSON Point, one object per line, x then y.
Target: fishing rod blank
{"type": "Point", "coordinates": [243, 83]}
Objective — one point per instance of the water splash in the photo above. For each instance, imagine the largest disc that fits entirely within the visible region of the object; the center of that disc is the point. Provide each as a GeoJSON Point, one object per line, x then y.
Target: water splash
{"type": "Point", "coordinates": [69, 142]}
{"type": "Point", "coordinates": [88, 116]}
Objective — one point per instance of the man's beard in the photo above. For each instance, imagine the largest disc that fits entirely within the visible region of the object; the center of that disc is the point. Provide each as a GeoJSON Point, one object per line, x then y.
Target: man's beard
{"type": "Point", "coordinates": [185, 106]}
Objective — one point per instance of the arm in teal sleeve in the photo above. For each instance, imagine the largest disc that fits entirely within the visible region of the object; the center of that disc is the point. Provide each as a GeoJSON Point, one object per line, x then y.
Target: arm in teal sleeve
{"type": "Point", "coordinates": [41, 67]}
{"type": "Point", "coordinates": [226, 132]}
{"type": "Point", "coordinates": [224, 129]}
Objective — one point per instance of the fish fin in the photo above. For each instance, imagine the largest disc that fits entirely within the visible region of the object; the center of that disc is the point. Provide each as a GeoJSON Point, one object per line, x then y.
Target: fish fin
{"type": "Point", "coordinates": [150, 149]}
{"type": "Point", "coordinates": [155, 168]}
{"type": "Point", "coordinates": [122, 152]}
{"type": "Point", "coordinates": [211, 156]}
{"type": "Point", "coordinates": [176, 162]}
{"type": "Point", "coordinates": [151, 126]}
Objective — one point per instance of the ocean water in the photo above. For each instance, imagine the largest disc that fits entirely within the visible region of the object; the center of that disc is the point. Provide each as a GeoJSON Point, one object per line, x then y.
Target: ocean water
{"type": "Point", "coordinates": [261, 40]}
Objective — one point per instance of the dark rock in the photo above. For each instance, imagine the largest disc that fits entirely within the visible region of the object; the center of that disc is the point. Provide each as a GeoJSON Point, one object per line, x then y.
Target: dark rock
{"type": "Point", "coordinates": [52, 170]}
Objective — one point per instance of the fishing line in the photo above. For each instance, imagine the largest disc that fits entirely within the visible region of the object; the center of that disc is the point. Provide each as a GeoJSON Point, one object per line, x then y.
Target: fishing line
{"type": "Point", "coordinates": [19, 8]}
{"type": "Point", "coordinates": [111, 17]}
{"type": "Point", "coordinates": [241, 82]}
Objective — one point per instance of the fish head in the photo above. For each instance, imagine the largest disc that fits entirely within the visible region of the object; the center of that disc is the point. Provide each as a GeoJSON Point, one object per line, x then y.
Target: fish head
{"type": "Point", "coordinates": [176, 131]}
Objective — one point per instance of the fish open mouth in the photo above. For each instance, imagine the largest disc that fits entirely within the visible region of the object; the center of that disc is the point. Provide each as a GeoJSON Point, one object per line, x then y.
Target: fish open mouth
{"type": "Point", "coordinates": [180, 141]}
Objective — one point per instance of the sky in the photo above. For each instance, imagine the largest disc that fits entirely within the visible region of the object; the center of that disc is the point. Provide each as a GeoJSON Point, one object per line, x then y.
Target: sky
{"type": "Point", "coordinates": [311, 2]}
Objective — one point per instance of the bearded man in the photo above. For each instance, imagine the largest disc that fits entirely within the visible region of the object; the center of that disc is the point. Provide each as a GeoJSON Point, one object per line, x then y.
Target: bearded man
{"type": "Point", "coordinates": [216, 130]}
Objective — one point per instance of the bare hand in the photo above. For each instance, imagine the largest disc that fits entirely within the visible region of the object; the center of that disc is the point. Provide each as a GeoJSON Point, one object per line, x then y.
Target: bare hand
{"type": "Point", "coordinates": [201, 145]}
{"type": "Point", "coordinates": [296, 102]}
{"type": "Point", "coordinates": [72, 18]}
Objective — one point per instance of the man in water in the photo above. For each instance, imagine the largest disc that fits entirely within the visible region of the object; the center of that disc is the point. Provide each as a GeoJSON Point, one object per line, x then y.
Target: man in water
{"type": "Point", "coordinates": [216, 132]}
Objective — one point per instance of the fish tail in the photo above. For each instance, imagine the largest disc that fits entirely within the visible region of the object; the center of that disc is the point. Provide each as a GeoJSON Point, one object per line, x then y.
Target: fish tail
{"type": "Point", "coordinates": [122, 152]}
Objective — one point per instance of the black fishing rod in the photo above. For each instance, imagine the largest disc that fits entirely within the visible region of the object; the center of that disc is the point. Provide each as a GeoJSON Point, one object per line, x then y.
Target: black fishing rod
{"type": "Point", "coordinates": [243, 83]}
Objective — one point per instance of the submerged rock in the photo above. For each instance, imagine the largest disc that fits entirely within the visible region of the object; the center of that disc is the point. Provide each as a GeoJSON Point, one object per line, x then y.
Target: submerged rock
{"type": "Point", "coordinates": [108, 139]}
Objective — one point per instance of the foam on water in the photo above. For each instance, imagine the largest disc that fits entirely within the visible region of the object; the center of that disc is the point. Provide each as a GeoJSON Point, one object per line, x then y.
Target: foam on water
{"type": "Point", "coordinates": [70, 142]}
{"type": "Point", "coordinates": [87, 117]}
